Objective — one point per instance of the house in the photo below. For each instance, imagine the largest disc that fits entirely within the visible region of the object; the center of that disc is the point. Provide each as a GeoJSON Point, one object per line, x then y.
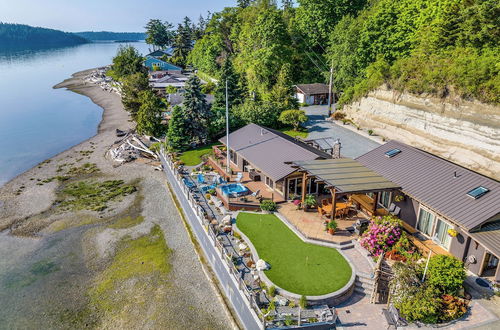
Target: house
{"type": "Point", "coordinates": [260, 153]}
{"type": "Point", "coordinates": [447, 208]}
{"type": "Point", "coordinates": [312, 93]}
{"type": "Point", "coordinates": [160, 53]}
{"type": "Point", "coordinates": [154, 64]}
{"type": "Point", "coordinates": [161, 81]}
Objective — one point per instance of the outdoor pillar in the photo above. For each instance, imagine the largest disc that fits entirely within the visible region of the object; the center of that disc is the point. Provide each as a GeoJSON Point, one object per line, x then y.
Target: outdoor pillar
{"type": "Point", "coordinates": [375, 201]}
{"type": "Point", "coordinates": [304, 189]}
{"type": "Point", "coordinates": [334, 202]}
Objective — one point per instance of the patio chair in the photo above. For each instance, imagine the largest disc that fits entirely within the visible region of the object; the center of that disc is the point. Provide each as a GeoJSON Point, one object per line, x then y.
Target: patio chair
{"type": "Point", "coordinates": [201, 178]}
{"type": "Point", "coordinates": [392, 207]}
{"type": "Point", "coordinates": [396, 211]}
{"type": "Point", "coordinates": [321, 211]}
{"type": "Point", "coordinates": [254, 194]}
{"type": "Point", "coordinates": [324, 202]}
{"type": "Point", "coordinates": [239, 176]}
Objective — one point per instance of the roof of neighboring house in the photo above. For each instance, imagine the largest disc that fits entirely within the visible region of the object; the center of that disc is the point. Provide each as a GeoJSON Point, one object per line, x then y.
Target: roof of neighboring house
{"type": "Point", "coordinates": [161, 52]}
{"type": "Point", "coordinates": [346, 175]}
{"type": "Point", "coordinates": [489, 236]}
{"type": "Point", "coordinates": [431, 180]}
{"type": "Point", "coordinates": [165, 65]}
{"type": "Point", "coordinates": [268, 149]}
{"type": "Point", "coordinates": [313, 88]}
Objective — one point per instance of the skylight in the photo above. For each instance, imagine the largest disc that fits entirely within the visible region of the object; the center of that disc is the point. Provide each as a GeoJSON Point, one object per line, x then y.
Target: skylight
{"type": "Point", "coordinates": [477, 192]}
{"type": "Point", "coordinates": [393, 152]}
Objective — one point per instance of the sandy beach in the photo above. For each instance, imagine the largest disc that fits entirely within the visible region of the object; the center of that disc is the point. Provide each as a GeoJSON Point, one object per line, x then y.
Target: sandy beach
{"type": "Point", "coordinates": [70, 254]}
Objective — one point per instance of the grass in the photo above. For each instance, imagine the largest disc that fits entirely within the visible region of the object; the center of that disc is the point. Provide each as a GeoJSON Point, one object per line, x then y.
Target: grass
{"type": "Point", "coordinates": [302, 132]}
{"type": "Point", "coordinates": [296, 266]}
{"type": "Point", "coordinates": [94, 196]}
{"type": "Point", "coordinates": [144, 256]}
{"type": "Point", "coordinates": [193, 157]}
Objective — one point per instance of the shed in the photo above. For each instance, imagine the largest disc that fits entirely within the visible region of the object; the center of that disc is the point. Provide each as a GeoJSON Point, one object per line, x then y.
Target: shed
{"type": "Point", "coordinates": [312, 93]}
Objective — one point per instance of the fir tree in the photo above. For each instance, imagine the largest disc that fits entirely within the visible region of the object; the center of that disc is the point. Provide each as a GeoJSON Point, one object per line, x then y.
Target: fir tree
{"type": "Point", "coordinates": [196, 111]}
{"type": "Point", "coordinates": [233, 89]}
{"type": "Point", "coordinates": [177, 138]}
{"type": "Point", "coordinates": [149, 114]}
{"type": "Point", "coordinates": [183, 42]}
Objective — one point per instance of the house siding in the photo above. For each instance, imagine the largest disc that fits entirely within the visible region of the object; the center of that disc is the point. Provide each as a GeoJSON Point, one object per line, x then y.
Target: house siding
{"type": "Point", "coordinates": [409, 211]}
{"type": "Point", "coordinates": [460, 244]}
{"type": "Point", "coordinates": [478, 251]}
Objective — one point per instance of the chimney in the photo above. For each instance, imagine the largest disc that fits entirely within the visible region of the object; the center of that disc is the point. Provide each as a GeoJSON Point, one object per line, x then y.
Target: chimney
{"type": "Point", "coordinates": [455, 174]}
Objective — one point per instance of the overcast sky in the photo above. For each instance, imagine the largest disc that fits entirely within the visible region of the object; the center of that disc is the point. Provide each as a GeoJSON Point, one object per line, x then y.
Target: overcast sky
{"type": "Point", "coordinates": [103, 15]}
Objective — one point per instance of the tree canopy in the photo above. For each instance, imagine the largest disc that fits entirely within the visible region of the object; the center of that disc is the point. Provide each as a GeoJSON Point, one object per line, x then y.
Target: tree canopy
{"type": "Point", "coordinates": [149, 114]}
{"type": "Point", "coordinates": [126, 62]}
{"type": "Point", "coordinates": [159, 34]}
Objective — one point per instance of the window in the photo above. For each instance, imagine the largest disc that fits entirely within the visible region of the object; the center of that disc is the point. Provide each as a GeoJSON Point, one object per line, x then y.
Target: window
{"type": "Point", "coordinates": [269, 182]}
{"type": "Point", "coordinates": [233, 156]}
{"type": "Point", "coordinates": [441, 235]}
{"type": "Point", "coordinates": [477, 192]}
{"type": "Point", "coordinates": [384, 198]}
{"type": "Point", "coordinates": [425, 222]}
{"type": "Point", "coordinates": [393, 152]}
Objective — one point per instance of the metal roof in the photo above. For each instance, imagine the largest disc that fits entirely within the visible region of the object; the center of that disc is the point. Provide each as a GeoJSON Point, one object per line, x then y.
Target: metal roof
{"type": "Point", "coordinates": [437, 183]}
{"type": "Point", "coordinates": [489, 236]}
{"type": "Point", "coordinates": [313, 88]}
{"type": "Point", "coordinates": [346, 175]}
{"type": "Point", "coordinates": [268, 150]}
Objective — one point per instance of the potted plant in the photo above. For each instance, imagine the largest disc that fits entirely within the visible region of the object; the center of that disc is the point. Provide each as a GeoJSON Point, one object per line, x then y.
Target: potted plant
{"type": "Point", "coordinates": [309, 202]}
{"type": "Point", "coordinates": [331, 226]}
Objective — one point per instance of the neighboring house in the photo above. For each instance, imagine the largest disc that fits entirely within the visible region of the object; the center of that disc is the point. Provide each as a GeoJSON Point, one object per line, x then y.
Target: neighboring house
{"type": "Point", "coordinates": [261, 153]}
{"type": "Point", "coordinates": [160, 53]}
{"type": "Point", "coordinates": [438, 196]}
{"type": "Point", "coordinates": [312, 93]}
{"type": "Point", "coordinates": [176, 80]}
{"type": "Point", "coordinates": [154, 64]}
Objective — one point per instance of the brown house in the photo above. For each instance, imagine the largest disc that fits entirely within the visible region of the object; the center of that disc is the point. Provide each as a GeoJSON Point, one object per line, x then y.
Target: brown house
{"type": "Point", "coordinates": [455, 210]}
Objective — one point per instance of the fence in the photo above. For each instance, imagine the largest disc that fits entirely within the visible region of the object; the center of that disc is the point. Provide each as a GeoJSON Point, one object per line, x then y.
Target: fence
{"type": "Point", "coordinates": [224, 255]}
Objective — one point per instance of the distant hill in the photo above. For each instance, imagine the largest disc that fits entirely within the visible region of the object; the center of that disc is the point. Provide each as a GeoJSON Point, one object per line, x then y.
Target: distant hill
{"type": "Point", "coordinates": [25, 36]}
{"type": "Point", "coordinates": [106, 35]}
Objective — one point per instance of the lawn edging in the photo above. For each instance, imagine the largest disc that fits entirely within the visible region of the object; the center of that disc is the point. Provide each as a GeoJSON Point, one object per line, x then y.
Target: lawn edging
{"type": "Point", "coordinates": [333, 298]}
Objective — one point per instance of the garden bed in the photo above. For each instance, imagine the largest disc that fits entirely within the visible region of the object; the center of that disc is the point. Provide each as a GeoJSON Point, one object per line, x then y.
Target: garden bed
{"type": "Point", "coordinates": [298, 267]}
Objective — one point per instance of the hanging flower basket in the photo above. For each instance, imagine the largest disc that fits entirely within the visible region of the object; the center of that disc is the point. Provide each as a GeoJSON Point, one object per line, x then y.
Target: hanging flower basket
{"type": "Point", "coordinates": [452, 232]}
{"type": "Point", "coordinates": [399, 198]}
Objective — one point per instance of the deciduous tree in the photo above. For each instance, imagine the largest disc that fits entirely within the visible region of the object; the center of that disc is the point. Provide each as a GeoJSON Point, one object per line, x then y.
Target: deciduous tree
{"type": "Point", "coordinates": [149, 114]}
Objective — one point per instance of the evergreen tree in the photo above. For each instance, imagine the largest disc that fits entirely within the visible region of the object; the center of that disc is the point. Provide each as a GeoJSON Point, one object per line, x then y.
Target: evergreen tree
{"type": "Point", "coordinates": [149, 114]}
{"type": "Point", "coordinates": [183, 42]}
{"type": "Point", "coordinates": [126, 62]}
{"type": "Point", "coordinates": [177, 138]}
{"type": "Point", "coordinates": [197, 111]}
{"type": "Point", "coordinates": [282, 93]}
{"type": "Point", "coordinates": [159, 34]}
{"type": "Point", "coordinates": [244, 3]}
{"type": "Point", "coordinates": [233, 89]}
{"type": "Point", "coordinates": [132, 86]}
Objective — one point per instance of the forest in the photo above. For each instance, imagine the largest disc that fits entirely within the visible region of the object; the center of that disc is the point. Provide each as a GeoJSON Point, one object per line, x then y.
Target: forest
{"type": "Point", "coordinates": [420, 46]}
{"type": "Point", "coordinates": [25, 36]}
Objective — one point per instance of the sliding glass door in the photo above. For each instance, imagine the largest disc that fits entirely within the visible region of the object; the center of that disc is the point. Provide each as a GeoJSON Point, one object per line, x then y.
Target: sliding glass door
{"type": "Point", "coordinates": [441, 235]}
{"type": "Point", "coordinates": [425, 222]}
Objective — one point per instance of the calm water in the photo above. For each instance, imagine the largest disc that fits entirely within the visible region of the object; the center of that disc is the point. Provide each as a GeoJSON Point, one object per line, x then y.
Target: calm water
{"type": "Point", "coordinates": [36, 121]}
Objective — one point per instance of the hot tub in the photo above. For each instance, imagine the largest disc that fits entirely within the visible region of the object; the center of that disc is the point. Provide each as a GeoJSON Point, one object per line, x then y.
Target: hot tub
{"type": "Point", "coordinates": [234, 189]}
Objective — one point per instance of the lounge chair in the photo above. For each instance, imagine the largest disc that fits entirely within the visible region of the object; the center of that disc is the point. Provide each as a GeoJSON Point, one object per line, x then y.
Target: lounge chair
{"type": "Point", "coordinates": [201, 178]}
{"type": "Point", "coordinates": [189, 184]}
{"type": "Point", "coordinates": [396, 211]}
{"type": "Point", "coordinates": [255, 193]}
{"type": "Point", "coordinates": [392, 207]}
{"type": "Point", "coordinates": [239, 176]}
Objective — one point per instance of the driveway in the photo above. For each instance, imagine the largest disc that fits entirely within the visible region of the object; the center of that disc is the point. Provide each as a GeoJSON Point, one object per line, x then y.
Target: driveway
{"type": "Point", "coordinates": [353, 144]}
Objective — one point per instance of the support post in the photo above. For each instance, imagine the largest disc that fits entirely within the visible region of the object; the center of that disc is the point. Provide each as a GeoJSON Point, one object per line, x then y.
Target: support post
{"type": "Point", "coordinates": [375, 201]}
{"type": "Point", "coordinates": [330, 91]}
{"type": "Point", "coordinates": [304, 189]}
{"type": "Point", "coordinates": [334, 202]}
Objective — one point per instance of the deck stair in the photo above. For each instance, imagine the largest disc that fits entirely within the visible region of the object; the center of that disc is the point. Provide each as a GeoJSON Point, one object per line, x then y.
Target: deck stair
{"type": "Point", "coordinates": [364, 283]}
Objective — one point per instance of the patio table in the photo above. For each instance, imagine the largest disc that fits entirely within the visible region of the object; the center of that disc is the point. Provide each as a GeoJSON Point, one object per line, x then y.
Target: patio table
{"type": "Point", "coordinates": [328, 208]}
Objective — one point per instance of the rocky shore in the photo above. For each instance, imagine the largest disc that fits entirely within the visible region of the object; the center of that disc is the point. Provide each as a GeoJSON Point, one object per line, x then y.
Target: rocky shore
{"type": "Point", "coordinates": [104, 244]}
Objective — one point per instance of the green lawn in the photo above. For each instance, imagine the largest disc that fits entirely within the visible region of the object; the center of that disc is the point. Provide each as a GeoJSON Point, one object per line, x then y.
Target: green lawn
{"type": "Point", "coordinates": [298, 267]}
{"type": "Point", "coordinates": [193, 157]}
{"type": "Point", "coordinates": [302, 132]}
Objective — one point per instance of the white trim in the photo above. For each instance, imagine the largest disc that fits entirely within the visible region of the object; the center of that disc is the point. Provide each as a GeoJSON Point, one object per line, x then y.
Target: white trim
{"type": "Point", "coordinates": [437, 218]}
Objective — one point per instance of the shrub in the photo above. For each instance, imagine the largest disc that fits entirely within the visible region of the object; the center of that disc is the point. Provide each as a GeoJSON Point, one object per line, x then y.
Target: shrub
{"type": "Point", "coordinates": [423, 306]}
{"type": "Point", "coordinates": [453, 307]}
{"type": "Point", "coordinates": [268, 206]}
{"type": "Point", "coordinates": [382, 233]}
{"type": "Point", "coordinates": [293, 118]}
{"type": "Point", "coordinates": [337, 115]}
{"type": "Point", "coordinates": [271, 291]}
{"type": "Point", "coordinates": [310, 200]}
{"type": "Point", "coordinates": [370, 132]}
{"type": "Point", "coordinates": [445, 274]}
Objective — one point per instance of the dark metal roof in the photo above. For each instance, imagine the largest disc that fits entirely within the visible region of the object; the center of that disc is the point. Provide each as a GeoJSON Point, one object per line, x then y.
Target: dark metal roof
{"type": "Point", "coordinates": [268, 150]}
{"type": "Point", "coordinates": [431, 180]}
{"type": "Point", "coordinates": [489, 236]}
{"type": "Point", "coordinates": [346, 175]}
{"type": "Point", "coordinates": [313, 88]}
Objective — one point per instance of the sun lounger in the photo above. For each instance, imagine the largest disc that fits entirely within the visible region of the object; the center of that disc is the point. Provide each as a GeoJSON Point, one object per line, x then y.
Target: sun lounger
{"type": "Point", "coordinates": [201, 178]}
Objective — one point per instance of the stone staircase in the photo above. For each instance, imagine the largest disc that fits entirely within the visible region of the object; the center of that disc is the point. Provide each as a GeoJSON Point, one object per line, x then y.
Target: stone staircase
{"type": "Point", "coordinates": [364, 283]}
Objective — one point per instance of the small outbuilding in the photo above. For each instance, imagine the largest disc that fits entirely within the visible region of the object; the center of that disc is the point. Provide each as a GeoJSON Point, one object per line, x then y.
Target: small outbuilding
{"type": "Point", "coordinates": [312, 93]}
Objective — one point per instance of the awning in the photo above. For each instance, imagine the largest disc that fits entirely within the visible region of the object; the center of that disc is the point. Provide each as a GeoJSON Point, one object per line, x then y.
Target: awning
{"type": "Point", "coordinates": [345, 175]}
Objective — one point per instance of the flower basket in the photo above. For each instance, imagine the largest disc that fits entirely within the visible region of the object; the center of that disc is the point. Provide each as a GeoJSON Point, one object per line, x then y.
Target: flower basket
{"type": "Point", "coordinates": [452, 232]}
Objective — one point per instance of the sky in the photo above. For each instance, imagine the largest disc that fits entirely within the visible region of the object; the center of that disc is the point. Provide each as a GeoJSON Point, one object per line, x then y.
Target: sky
{"type": "Point", "coordinates": [104, 15]}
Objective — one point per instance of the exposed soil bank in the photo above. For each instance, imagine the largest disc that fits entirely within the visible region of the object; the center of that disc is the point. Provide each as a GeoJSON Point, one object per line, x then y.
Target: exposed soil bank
{"type": "Point", "coordinates": [57, 259]}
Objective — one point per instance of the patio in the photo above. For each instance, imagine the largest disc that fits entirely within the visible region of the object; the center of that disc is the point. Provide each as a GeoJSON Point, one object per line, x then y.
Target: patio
{"type": "Point", "coordinates": [312, 225]}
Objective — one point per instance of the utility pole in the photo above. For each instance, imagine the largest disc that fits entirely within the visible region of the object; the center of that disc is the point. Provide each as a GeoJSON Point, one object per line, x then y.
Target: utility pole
{"type": "Point", "coordinates": [330, 91]}
{"type": "Point", "coordinates": [228, 156]}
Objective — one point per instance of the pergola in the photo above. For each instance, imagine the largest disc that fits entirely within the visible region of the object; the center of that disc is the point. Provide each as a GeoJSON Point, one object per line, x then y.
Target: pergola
{"type": "Point", "coordinates": [343, 176]}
